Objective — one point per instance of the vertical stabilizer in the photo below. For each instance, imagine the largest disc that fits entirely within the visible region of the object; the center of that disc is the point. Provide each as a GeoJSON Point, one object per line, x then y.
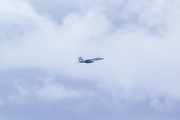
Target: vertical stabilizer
{"type": "Point", "coordinates": [81, 60]}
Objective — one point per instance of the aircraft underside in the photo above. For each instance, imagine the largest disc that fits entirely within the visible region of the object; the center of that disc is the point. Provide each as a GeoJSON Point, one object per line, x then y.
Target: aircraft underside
{"type": "Point", "coordinates": [81, 60]}
{"type": "Point", "coordinates": [88, 61]}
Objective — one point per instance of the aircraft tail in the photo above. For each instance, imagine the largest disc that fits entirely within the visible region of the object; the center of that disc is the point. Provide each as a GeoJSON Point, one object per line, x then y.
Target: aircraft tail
{"type": "Point", "coordinates": [81, 60]}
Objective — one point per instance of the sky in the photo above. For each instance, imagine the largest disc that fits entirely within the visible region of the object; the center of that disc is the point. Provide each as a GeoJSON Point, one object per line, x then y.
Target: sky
{"type": "Point", "coordinates": [41, 40]}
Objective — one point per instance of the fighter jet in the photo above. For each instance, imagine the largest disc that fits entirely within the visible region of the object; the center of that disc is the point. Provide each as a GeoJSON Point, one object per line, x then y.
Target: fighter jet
{"type": "Point", "coordinates": [81, 60]}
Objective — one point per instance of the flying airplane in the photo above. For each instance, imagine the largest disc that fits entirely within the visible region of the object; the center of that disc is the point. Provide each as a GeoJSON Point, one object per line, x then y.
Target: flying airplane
{"type": "Point", "coordinates": [81, 60]}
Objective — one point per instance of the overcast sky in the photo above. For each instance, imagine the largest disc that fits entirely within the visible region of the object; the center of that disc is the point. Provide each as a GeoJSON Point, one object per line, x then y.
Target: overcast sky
{"type": "Point", "coordinates": [40, 41]}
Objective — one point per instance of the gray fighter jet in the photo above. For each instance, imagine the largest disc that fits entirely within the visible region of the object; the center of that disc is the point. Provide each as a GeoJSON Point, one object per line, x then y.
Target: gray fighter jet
{"type": "Point", "coordinates": [81, 60]}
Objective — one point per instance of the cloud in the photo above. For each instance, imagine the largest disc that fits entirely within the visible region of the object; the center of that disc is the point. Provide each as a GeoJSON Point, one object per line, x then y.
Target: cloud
{"type": "Point", "coordinates": [141, 53]}
{"type": "Point", "coordinates": [48, 90]}
{"type": "Point", "coordinates": [53, 92]}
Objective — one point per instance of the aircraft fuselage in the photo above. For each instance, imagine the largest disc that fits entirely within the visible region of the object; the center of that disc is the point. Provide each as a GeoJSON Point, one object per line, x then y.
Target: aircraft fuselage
{"type": "Point", "coordinates": [81, 60]}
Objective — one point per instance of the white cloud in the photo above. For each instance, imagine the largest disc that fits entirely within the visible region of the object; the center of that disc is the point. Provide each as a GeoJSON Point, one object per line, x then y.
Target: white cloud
{"type": "Point", "coordinates": [48, 90]}
{"type": "Point", "coordinates": [51, 91]}
{"type": "Point", "coordinates": [137, 62]}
